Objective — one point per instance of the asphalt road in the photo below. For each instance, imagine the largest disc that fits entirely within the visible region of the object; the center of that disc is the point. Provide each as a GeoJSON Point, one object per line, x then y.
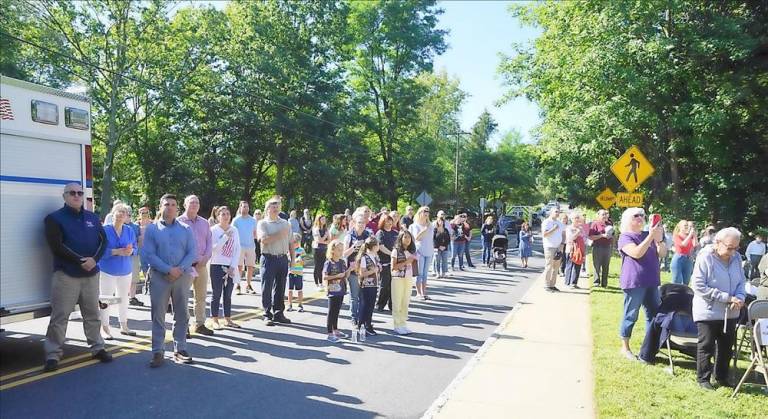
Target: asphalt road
{"type": "Point", "coordinates": [258, 371]}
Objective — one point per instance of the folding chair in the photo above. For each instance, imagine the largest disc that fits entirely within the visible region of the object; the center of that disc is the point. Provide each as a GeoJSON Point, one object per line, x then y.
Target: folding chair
{"type": "Point", "coordinates": [758, 313]}
{"type": "Point", "coordinates": [682, 331]}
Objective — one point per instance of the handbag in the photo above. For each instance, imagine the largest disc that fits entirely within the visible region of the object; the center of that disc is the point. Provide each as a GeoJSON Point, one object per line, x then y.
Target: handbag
{"type": "Point", "coordinates": [558, 255]}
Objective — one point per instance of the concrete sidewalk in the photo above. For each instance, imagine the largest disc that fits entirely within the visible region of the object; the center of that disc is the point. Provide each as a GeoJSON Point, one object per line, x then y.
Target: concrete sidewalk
{"type": "Point", "coordinates": [538, 363]}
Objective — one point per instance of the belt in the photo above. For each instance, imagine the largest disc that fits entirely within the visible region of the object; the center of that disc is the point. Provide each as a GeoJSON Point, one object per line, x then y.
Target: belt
{"type": "Point", "coordinates": [273, 256]}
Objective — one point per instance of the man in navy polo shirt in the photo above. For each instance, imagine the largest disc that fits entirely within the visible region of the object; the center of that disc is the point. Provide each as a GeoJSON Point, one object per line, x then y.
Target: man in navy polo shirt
{"type": "Point", "coordinates": [78, 241]}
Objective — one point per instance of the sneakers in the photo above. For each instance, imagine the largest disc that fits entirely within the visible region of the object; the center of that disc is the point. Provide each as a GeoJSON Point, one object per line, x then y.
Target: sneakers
{"type": "Point", "coordinates": [182, 357]}
{"type": "Point", "coordinates": [301, 308]}
{"type": "Point", "coordinates": [282, 319]}
{"type": "Point", "coordinates": [267, 321]}
{"type": "Point", "coordinates": [157, 360]}
{"type": "Point", "coordinates": [238, 291]}
{"type": "Point", "coordinates": [370, 332]}
{"type": "Point", "coordinates": [402, 331]}
{"type": "Point", "coordinates": [202, 330]}
{"type": "Point", "coordinates": [51, 365]}
{"type": "Point", "coordinates": [333, 338]}
{"type": "Point", "coordinates": [628, 355]}
{"type": "Point", "coordinates": [250, 290]}
{"type": "Point", "coordinates": [135, 302]}
{"type": "Point", "coordinates": [290, 308]}
{"type": "Point", "coordinates": [341, 335]}
{"type": "Point", "coordinates": [407, 331]}
{"type": "Point", "coordinates": [103, 356]}
{"type": "Point", "coordinates": [706, 385]}
{"type": "Point", "coordinates": [553, 289]}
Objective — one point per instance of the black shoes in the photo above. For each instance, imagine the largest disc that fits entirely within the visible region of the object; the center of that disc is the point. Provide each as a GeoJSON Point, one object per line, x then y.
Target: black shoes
{"type": "Point", "coordinates": [202, 330]}
{"type": "Point", "coordinates": [103, 356]}
{"type": "Point", "coordinates": [370, 332]}
{"type": "Point", "coordinates": [51, 365]}
{"type": "Point", "coordinates": [725, 383]}
{"type": "Point", "coordinates": [182, 357]}
{"type": "Point", "coordinates": [157, 360]}
{"type": "Point", "coordinates": [135, 302]}
{"type": "Point", "coordinates": [268, 321]}
{"type": "Point", "coordinates": [282, 319]}
{"type": "Point", "coordinates": [706, 385]}
{"type": "Point", "coordinates": [553, 289]}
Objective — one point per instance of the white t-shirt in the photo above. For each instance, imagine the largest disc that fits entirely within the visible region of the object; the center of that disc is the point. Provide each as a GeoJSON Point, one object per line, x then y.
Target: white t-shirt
{"type": "Point", "coordinates": [425, 246]}
{"type": "Point", "coordinates": [556, 238]}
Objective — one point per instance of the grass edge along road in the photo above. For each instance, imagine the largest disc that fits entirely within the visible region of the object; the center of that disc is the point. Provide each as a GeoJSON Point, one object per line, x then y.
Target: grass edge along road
{"type": "Point", "coordinates": [625, 388]}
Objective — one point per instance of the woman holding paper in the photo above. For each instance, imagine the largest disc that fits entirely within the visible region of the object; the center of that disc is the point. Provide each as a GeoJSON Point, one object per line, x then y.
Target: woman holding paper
{"type": "Point", "coordinates": [223, 266]}
{"type": "Point", "coordinates": [718, 286]}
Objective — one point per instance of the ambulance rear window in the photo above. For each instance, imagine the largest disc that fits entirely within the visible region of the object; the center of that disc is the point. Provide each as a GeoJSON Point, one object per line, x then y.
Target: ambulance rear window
{"type": "Point", "coordinates": [45, 113]}
{"type": "Point", "coordinates": [76, 118]}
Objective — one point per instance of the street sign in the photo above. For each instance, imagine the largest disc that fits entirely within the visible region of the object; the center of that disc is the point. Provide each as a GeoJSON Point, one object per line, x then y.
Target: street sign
{"type": "Point", "coordinates": [625, 200]}
{"type": "Point", "coordinates": [424, 199]}
{"type": "Point", "coordinates": [632, 168]}
{"type": "Point", "coordinates": [606, 198]}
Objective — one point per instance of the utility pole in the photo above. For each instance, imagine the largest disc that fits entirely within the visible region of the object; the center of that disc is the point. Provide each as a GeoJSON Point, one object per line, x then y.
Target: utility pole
{"type": "Point", "coordinates": [458, 135]}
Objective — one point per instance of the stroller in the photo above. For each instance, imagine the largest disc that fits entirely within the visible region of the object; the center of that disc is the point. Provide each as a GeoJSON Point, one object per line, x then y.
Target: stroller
{"type": "Point", "coordinates": [499, 252]}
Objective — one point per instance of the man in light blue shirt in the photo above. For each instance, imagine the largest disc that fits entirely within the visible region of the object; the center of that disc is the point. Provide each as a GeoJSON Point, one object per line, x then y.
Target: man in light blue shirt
{"type": "Point", "coordinates": [246, 228]}
{"type": "Point", "coordinates": [170, 250]}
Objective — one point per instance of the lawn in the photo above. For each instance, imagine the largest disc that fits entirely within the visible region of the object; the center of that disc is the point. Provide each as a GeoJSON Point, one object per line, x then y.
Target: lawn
{"type": "Point", "coordinates": [630, 389]}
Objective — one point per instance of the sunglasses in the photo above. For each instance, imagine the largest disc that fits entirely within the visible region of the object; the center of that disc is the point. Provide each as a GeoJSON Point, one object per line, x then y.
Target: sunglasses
{"type": "Point", "coordinates": [639, 216]}
{"type": "Point", "coordinates": [75, 193]}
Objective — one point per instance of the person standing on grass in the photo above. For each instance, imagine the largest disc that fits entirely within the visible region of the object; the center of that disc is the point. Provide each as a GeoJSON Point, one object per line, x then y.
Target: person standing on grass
{"type": "Point", "coordinates": [685, 242]}
{"type": "Point", "coordinates": [552, 238]}
{"type": "Point", "coordinates": [575, 249]}
{"type": "Point", "coordinates": [335, 274]}
{"type": "Point", "coordinates": [386, 237]}
{"type": "Point", "coordinates": [170, 249]}
{"type": "Point", "coordinates": [718, 287]}
{"type": "Point", "coordinates": [225, 254]}
{"type": "Point", "coordinates": [525, 244]}
{"type": "Point", "coordinates": [602, 246]}
{"type": "Point", "coordinates": [202, 231]}
{"type": "Point", "coordinates": [403, 258]}
{"type": "Point", "coordinates": [274, 233]}
{"type": "Point", "coordinates": [116, 267]}
{"type": "Point", "coordinates": [640, 273]}
{"type": "Point", "coordinates": [320, 239]}
{"type": "Point", "coordinates": [755, 251]}
{"type": "Point", "coordinates": [78, 242]}
{"type": "Point", "coordinates": [246, 228]}
{"type": "Point", "coordinates": [296, 273]}
{"type": "Point", "coordinates": [423, 233]}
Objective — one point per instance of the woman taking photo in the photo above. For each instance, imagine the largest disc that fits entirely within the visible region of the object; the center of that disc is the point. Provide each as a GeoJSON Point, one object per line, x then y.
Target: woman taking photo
{"type": "Point", "coordinates": [442, 243]}
{"type": "Point", "coordinates": [525, 243]}
{"type": "Point", "coordinates": [116, 267]}
{"type": "Point", "coordinates": [403, 258]}
{"type": "Point", "coordinates": [640, 273]}
{"type": "Point", "coordinates": [718, 286]}
{"type": "Point", "coordinates": [320, 239]}
{"type": "Point", "coordinates": [685, 241]}
{"type": "Point", "coordinates": [423, 234]}
{"type": "Point", "coordinates": [487, 232]}
{"type": "Point", "coordinates": [223, 266]}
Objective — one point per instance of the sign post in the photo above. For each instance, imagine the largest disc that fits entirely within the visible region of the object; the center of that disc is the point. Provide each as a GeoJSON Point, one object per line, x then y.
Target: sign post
{"type": "Point", "coordinates": [483, 203]}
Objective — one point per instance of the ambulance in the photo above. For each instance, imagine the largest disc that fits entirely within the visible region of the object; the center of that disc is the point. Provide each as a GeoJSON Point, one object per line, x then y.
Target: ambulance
{"type": "Point", "coordinates": [45, 143]}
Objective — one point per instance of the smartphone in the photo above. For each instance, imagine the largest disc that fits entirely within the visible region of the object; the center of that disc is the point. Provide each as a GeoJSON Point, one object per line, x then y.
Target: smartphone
{"type": "Point", "coordinates": [655, 220]}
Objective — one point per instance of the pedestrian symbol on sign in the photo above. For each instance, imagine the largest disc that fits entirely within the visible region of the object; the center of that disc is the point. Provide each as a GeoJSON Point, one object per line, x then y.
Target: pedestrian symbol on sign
{"type": "Point", "coordinates": [633, 165]}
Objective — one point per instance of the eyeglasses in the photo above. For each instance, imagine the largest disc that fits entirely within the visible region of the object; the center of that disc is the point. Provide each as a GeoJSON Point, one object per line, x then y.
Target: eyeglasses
{"type": "Point", "coordinates": [75, 193]}
{"type": "Point", "coordinates": [730, 248]}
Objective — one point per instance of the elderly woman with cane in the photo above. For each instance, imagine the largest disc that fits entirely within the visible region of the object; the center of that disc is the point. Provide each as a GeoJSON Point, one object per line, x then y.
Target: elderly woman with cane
{"type": "Point", "coordinates": [718, 286]}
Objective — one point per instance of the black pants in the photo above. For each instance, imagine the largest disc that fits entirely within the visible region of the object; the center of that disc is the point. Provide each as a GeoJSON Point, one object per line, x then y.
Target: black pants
{"type": "Point", "coordinates": [713, 342]}
{"type": "Point", "coordinates": [274, 272]}
{"type": "Point", "coordinates": [306, 241]}
{"type": "Point", "coordinates": [385, 291]}
{"type": "Point", "coordinates": [466, 253]}
{"type": "Point", "coordinates": [319, 262]}
{"type": "Point", "coordinates": [367, 302]}
{"type": "Point", "coordinates": [334, 306]}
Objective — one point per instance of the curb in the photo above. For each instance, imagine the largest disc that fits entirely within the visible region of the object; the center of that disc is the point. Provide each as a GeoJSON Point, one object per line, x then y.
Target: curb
{"type": "Point", "coordinates": [443, 398]}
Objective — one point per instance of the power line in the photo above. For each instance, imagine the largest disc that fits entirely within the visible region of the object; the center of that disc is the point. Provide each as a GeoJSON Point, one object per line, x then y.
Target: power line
{"type": "Point", "coordinates": [151, 85]}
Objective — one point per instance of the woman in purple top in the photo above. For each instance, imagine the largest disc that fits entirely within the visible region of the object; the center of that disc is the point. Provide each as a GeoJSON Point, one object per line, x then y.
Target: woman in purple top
{"type": "Point", "coordinates": [640, 274]}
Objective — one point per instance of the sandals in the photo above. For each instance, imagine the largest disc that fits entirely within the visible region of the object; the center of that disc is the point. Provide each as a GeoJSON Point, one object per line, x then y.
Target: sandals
{"type": "Point", "coordinates": [233, 325]}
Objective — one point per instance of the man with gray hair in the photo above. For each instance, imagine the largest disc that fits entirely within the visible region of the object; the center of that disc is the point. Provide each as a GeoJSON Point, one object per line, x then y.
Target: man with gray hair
{"type": "Point", "coordinates": [274, 234]}
{"type": "Point", "coordinates": [77, 241]}
{"type": "Point", "coordinates": [202, 232]}
{"type": "Point", "coordinates": [601, 234]}
{"type": "Point", "coordinates": [552, 237]}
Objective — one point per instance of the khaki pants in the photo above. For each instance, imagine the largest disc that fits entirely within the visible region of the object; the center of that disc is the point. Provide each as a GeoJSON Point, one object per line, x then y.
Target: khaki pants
{"type": "Point", "coordinates": [551, 266]}
{"type": "Point", "coordinates": [200, 287]}
{"type": "Point", "coordinates": [66, 291]}
{"type": "Point", "coordinates": [401, 298]}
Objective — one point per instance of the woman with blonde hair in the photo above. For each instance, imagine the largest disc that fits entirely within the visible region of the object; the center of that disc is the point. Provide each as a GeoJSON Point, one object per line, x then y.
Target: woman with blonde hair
{"type": "Point", "coordinates": [423, 235]}
{"type": "Point", "coordinates": [116, 267]}
{"type": "Point", "coordinates": [685, 241]}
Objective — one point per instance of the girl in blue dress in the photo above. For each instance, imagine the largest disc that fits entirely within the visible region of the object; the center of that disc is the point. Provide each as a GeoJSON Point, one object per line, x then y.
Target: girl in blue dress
{"type": "Point", "coordinates": [525, 240]}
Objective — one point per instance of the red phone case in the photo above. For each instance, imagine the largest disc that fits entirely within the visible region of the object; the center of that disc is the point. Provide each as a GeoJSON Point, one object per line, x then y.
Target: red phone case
{"type": "Point", "coordinates": [655, 220]}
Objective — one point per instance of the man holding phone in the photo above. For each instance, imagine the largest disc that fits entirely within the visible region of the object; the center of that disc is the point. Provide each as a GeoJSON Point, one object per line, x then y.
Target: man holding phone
{"type": "Point", "coordinates": [77, 241]}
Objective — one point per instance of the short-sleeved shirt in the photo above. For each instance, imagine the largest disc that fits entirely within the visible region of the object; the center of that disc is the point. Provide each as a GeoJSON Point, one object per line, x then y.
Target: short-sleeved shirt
{"type": "Point", "coordinates": [336, 287]}
{"type": "Point", "coordinates": [597, 228]}
{"type": "Point", "coordinates": [680, 249]}
{"type": "Point", "coordinates": [245, 227]}
{"type": "Point", "coordinates": [459, 232]}
{"type": "Point", "coordinates": [368, 262]}
{"type": "Point", "coordinates": [267, 227]}
{"type": "Point", "coordinates": [407, 272]}
{"type": "Point", "coordinates": [351, 238]}
{"type": "Point", "coordinates": [638, 273]}
{"type": "Point", "coordinates": [556, 238]}
{"type": "Point", "coordinates": [297, 267]}
{"type": "Point", "coordinates": [386, 239]}
{"type": "Point", "coordinates": [425, 246]}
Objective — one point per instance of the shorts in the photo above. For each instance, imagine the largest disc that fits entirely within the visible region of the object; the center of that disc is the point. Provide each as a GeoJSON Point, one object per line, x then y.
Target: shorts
{"type": "Point", "coordinates": [295, 282]}
{"type": "Point", "coordinates": [248, 257]}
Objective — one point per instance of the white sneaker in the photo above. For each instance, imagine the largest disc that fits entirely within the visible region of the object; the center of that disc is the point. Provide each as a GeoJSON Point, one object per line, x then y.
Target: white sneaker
{"type": "Point", "coordinates": [399, 331]}
{"type": "Point", "coordinates": [406, 331]}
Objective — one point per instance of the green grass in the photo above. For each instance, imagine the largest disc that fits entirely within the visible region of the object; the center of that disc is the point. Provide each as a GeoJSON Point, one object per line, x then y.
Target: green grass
{"type": "Point", "coordinates": [630, 389]}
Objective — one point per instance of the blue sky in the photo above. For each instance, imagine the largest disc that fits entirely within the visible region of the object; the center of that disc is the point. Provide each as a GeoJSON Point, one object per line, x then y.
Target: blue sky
{"type": "Point", "coordinates": [479, 30]}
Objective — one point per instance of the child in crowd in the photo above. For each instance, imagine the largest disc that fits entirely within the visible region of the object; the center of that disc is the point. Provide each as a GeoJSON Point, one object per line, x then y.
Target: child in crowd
{"type": "Point", "coordinates": [335, 274]}
{"type": "Point", "coordinates": [296, 273]}
{"type": "Point", "coordinates": [368, 270]}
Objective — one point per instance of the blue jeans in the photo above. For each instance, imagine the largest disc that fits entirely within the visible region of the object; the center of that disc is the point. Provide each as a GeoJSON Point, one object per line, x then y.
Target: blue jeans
{"type": "Point", "coordinates": [572, 271]}
{"type": "Point", "coordinates": [354, 295]}
{"type": "Point", "coordinates": [648, 297]}
{"type": "Point", "coordinates": [458, 251]}
{"type": "Point", "coordinates": [487, 252]}
{"type": "Point", "coordinates": [274, 272]}
{"type": "Point", "coordinates": [682, 269]}
{"type": "Point", "coordinates": [367, 303]}
{"type": "Point", "coordinates": [424, 262]}
{"type": "Point", "coordinates": [441, 262]}
{"type": "Point", "coordinates": [222, 284]}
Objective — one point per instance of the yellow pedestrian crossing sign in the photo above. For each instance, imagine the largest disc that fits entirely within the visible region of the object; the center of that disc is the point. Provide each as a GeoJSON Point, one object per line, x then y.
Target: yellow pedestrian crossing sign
{"type": "Point", "coordinates": [606, 198]}
{"type": "Point", "coordinates": [632, 168]}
